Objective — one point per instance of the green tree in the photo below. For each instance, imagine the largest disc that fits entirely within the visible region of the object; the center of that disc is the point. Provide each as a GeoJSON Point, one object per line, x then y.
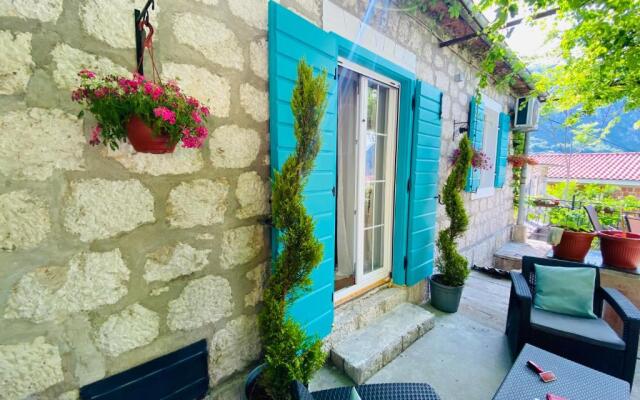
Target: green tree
{"type": "Point", "coordinates": [600, 49]}
{"type": "Point", "coordinates": [451, 263]}
{"type": "Point", "coordinates": [288, 352]}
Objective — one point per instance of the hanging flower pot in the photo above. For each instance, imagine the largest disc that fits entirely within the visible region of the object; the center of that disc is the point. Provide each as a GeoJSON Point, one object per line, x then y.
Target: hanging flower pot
{"type": "Point", "coordinates": [620, 249]}
{"type": "Point", "coordinates": [128, 108]}
{"type": "Point", "coordinates": [143, 139]}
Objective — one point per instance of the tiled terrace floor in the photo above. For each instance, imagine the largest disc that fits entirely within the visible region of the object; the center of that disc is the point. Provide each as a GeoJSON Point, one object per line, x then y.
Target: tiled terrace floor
{"type": "Point", "coordinates": [465, 357]}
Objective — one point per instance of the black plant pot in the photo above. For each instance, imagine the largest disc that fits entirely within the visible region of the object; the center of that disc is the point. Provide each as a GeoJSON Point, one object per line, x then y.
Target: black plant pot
{"type": "Point", "coordinates": [252, 391]}
{"type": "Point", "coordinates": [444, 298]}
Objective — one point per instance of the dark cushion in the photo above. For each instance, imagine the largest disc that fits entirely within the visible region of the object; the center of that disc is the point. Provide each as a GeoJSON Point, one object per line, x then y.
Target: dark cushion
{"type": "Point", "coordinates": [300, 392]}
{"type": "Point", "coordinates": [593, 331]}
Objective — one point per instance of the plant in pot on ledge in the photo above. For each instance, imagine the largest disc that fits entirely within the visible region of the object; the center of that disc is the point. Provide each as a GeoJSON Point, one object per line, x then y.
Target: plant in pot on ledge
{"type": "Point", "coordinates": [153, 116]}
{"type": "Point", "coordinates": [571, 234]}
{"type": "Point", "coordinates": [446, 287]}
{"type": "Point", "coordinates": [289, 354]}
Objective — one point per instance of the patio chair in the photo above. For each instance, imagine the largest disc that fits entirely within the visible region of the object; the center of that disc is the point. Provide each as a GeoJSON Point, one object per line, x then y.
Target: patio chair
{"type": "Point", "coordinates": [593, 217]}
{"type": "Point", "coordinates": [380, 391]}
{"type": "Point", "coordinates": [590, 342]}
{"type": "Point", "coordinates": [633, 223]}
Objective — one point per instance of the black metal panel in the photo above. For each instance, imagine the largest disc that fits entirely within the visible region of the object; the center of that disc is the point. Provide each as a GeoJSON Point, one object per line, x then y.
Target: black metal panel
{"type": "Point", "coordinates": [180, 375]}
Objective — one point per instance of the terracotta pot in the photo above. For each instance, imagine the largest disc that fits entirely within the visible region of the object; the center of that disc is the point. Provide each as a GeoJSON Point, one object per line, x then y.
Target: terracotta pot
{"type": "Point", "coordinates": [573, 246]}
{"type": "Point", "coordinates": [620, 249]}
{"type": "Point", "coordinates": [143, 140]}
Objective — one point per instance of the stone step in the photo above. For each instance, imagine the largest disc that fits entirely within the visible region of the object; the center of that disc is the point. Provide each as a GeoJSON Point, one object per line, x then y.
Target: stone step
{"type": "Point", "coordinates": [367, 350]}
{"type": "Point", "coordinates": [360, 312]}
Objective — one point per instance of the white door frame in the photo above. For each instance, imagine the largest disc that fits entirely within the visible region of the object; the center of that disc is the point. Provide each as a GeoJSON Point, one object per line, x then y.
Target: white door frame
{"type": "Point", "coordinates": [364, 280]}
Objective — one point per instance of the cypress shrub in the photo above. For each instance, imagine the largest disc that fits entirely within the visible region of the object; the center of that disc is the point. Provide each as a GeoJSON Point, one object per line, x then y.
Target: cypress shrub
{"type": "Point", "coordinates": [451, 263]}
{"type": "Point", "coordinates": [290, 354]}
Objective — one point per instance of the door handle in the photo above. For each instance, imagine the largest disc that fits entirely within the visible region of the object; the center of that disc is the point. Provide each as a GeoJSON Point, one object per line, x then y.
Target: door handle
{"type": "Point", "coordinates": [333, 191]}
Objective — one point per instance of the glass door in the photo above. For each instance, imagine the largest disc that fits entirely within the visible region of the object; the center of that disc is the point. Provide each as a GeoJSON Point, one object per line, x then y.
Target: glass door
{"type": "Point", "coordinates": [367, 130]}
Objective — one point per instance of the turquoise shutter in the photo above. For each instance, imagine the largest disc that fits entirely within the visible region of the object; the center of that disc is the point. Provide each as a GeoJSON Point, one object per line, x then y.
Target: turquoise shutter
{"type": "Point", "coordinates": [502, 150]}
{"type": "Point", "coordinates": [476, 133]}
{"type": "Point", "coordinates": [292, 38]}
{"type": "Point", "coordinates": [423, 181]}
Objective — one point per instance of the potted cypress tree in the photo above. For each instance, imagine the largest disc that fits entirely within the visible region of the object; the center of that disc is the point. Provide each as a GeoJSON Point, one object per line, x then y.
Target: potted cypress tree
{"type": "Point", "coordinates": [289, 354]}
{"type": "Point", "coordinates": [446, 286]}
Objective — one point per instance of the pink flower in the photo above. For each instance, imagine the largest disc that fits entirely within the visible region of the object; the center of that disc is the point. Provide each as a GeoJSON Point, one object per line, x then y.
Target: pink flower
{"type": "Point", "coordinates": [186, 132]}
{"type": "Point", "coordinates": [79, 94]}
{"type": "Point", "coordinates": [85, 73]}
{"type": "Point", "coordinates": [195, 116]}
{"type": "Point", "coordinates": [101, 92]}
{"type": "Point", "coordinates": [202, 132]}
{"type": "Point", "coordinates": [191, 142]}
{"type": "Point", "coordinates": [166, 114]}
{"type": "Point", "coordinates": [95, 135]}
{"type": "Point", "coordinates": [204, 111]}
{"type": "Point", "coordinates": [173, 85]}
{"type": "Point", "coordinates": [138, 78]}
{"type": "Point", "coordinates": [193, 102]}
{"type": "Point", "coordinates": [153, 90]}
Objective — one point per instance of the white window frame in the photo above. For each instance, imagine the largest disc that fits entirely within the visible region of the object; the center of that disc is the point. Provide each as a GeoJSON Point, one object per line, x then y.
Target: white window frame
{"type": "Point", "coordinates": [489, 137]}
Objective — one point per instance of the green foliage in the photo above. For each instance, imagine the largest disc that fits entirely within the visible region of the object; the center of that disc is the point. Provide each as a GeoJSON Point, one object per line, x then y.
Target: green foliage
{"type": "Point", "coordinates": [113, 100]}
{"type": "Point", "coordinates": [289, 353]}
{"type": "Point", "coordinates": [602, 197]}
{"type": "Point", "coordinates": [599, 45]}
{"type": "Point", "coordinates": [451, 263]}
{"type": "Point", "coordinates": [570, 220]}
{"type": "Point", "coordinates": [518, 149]}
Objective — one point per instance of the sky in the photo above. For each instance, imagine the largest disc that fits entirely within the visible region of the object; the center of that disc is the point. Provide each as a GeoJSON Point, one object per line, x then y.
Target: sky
{"type": "Point", "coordinates": [530, 42]}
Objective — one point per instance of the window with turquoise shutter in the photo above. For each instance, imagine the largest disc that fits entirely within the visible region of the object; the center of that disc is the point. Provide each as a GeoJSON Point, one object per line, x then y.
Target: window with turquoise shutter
{"type": "Point", "coordinates": [423, 190]}
{"type": "Point", "coordinates": [476, 135]}
{"type": "Point", "coordinates": [502, 150]}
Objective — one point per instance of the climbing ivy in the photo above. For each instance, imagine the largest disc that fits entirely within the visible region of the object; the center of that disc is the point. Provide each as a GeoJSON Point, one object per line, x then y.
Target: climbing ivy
{"type": "Point", "coordinates": [288, 352]}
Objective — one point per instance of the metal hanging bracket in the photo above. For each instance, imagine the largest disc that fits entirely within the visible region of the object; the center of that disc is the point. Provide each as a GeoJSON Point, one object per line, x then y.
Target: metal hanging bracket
{"type": "Point", "coordinates": [140, 18]}
{"type": "Point", "coordinates": [462, 128]}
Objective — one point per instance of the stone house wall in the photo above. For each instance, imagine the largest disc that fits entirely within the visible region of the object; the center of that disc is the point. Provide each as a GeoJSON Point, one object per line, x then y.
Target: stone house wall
{"type": "Point", "coordinates": [111, 258]}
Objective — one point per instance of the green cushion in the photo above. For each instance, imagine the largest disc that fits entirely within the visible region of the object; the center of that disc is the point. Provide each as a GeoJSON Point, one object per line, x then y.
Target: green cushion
{"type": "Point", "coordinates": [354, 395]}
{"type": "Point", "coordinates": [565, 290]}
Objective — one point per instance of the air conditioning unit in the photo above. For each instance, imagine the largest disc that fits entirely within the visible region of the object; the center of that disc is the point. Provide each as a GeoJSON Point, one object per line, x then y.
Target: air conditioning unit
{"type": "Point", "coordinates": [526, 114]}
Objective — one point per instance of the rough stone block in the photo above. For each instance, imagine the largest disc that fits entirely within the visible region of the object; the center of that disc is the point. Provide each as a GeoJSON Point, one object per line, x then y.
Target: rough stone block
{"type": "Point", "coordinates": [199, 202]}
{"type": "Point", "coordinates": [24, 220]}
{"type": "Point", "coordinates": [46, 140]}
{"type": "Point", "coordinates": [233, 147]}
{"type": "Point", "coordinates": [211, 38]}
{"type": "Point", "coordinates": [171, 262]}
{"type": "Point", "coordinates": [233, 348]}
{"type": "Point", "coordinates": [241, 245]}
{"type": "Point", "coordinates": [255, 102]}
{"type": "Point", "coordinates": [253, 195]}
{"type": "Point", "coordinates": [211, 90]}
{"type": "Point", "coordinates": [133, 327]}
{"type": "Point", "coordinates": [368, 349]}
{"type": "Point", "coordinates": [202, 301]}
{"type": "Point", "coordinates": [16, 63]}
{"type": "Point", "coordinates": [99, 208]}
{"type": "Point", "coordinates": [89, 281]}
{"type": "Point", "coordinates": [69, 61]}
{"type": "Point", "coordinates": [45, 11]}
{"type": "Point", "coordinates": [181, 161]}
{"type": "Point", "coordinates": [28, 368]}
{"type": "Point", "coordinates": [110, 21]}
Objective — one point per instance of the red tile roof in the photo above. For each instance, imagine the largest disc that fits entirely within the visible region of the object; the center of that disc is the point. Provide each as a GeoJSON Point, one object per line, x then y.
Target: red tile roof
{"type": "Point", "coordinates": [592, 166]}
